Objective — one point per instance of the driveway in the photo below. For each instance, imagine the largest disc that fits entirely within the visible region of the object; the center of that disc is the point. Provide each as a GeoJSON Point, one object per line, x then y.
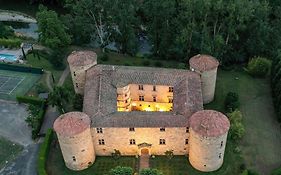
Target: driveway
{"type": "Point", "coordinates": [14, 128]}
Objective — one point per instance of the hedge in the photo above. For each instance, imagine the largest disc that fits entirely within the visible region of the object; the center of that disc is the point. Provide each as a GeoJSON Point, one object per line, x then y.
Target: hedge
{"type": "Point", "coordinates": [18, 68]}
{"type": "Point", "coordinates": [43, 153]}
{"type": "Point", "coordinates": [30, 100]}
{"type": "Point", "coordinates": [41, 104]}
{"type": "Point", "coordinates": [10, 43]}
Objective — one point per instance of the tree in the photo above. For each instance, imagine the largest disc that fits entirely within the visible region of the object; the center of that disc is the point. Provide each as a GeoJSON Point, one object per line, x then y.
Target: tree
{"type": "Point", "coordinates": [121, 171]}
{"type": "Point", "coordinates": [124, 20]}
{"type": "Point", "coordinates": [52, 32]}
{"type": "Point", "coordinates": [5, 31]}
{"type": "Point", "coordinates": [90, 17]}
{"type": "Point", "coordinates": [58, 97]}
{"type": "Point", "coordinates": [78, 102]}
{"type": "Point", "coordinates": [150, 172]}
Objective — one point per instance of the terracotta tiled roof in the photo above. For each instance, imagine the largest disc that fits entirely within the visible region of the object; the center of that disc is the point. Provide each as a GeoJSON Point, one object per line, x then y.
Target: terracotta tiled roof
{"type": "Point", "coordinates": [203, 62]}
{"type": "Point", "coordinates": [209, 123]}
{"type": "Point", "coordinates": [82, 58]}
{"type": "Point", "coordinates": [101, 91]}
{"type": "Point", "coordinates": [72, 123]}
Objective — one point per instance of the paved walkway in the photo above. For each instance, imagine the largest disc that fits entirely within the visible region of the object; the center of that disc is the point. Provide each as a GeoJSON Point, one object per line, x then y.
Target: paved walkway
{"type": "Point", "coordinates": [51, 112]}
{"type": "Point", "coordinates": [144, 161]}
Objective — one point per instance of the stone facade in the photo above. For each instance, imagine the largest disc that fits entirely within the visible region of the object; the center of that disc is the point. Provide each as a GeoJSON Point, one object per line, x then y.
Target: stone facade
{"type": "Point", "coordinates": [206, 153]}
{"type": "Point", "coordinates": [119, 138]}
{"type": "Point", "coordinates": [78, 150]}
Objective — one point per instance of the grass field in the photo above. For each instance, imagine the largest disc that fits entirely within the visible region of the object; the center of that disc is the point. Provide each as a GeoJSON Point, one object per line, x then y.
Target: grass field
{"type": "Point", "coordinates": [102, 165]}
{"type": "Point", "coordinates": [261, 145]}
{"type": "Point", "coordinates": [8, 151]}
{"type": "Point", "coordinates": [14, 88]}
{"type": "Point", "coordinates": [179, 165]}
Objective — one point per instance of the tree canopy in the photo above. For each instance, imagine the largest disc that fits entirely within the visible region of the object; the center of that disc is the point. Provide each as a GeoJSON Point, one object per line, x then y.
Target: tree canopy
{"type": "Point", "coordinates": [52, 32]}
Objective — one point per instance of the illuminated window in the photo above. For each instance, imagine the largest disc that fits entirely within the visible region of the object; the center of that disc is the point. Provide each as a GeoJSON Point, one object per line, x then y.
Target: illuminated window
{"type": "Point", "coordinates": [154, 99]}
{"type": "Point", "coordinates": [162, 142]}
{"type": "Point", "coordinates": [171, 89]}
{"type": "Point", "coordinates": [187, 130]}
{"type": "Point", "coordinates": [140, 87]}
{"type": "Point", "coordinates": [170, 99]}
{"type": "Point", "coordinates": [101, 142]}
{"type": "Point", "coordinates": [132, 129]}
{"type": "Point", "coordinates": [141, 98]}
{"type": "Point", "coordinates": [162, 129]}
{"type": "Point", "coordinates": [132, 141]}
{"type": "Point", "coordinates": [99, 130]}
{"type": "Point", "coordinates": [154, 88]}
{"type": "Point", "coordinates": [186, 141]}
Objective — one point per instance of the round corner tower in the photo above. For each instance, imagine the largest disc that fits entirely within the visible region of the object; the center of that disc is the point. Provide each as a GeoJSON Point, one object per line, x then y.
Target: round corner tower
{"type": "Point", "coordinates": [207, 67]}
{"type": "Point", "coordinates": [208, 135]}
{"type": "Point", "coordinates": [79, 62]}
{"type": "Point", "coordinates": [74, 135]}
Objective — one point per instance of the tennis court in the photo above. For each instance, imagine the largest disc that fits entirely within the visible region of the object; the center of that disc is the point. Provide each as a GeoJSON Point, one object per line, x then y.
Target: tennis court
{"type": "Point", "coordinates": [9, 83]}
{"type": "Point", "coordinates": [13, 83]}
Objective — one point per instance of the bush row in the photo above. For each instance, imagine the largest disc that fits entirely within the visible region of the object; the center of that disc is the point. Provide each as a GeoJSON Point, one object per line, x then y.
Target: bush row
{"type": "Point", "coordinates": [10, 43]}
{"type": "Point", "coordinates": [276, 84]}
{"type": "Point", "coordinates": [20, 68]}
{"type": "Point", "coordinates": [37, 111]}
{"type": "Point", "coordinates": [43, 153]}
{"type": "Point", "coordinates": [30, 100]}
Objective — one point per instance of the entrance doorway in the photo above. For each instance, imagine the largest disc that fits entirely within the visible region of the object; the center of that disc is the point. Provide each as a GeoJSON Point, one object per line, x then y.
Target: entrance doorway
{"type": "Point", "coordinates": [144, 151]}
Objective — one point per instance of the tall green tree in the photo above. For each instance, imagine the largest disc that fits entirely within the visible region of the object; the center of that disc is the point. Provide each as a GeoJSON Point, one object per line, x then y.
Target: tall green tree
{"type": "Point", "coordinates": [58, 97]}
{"type": "Point", "coordinates": [52, 32]}
{"type": "Point", "coordinates": [125, 22]}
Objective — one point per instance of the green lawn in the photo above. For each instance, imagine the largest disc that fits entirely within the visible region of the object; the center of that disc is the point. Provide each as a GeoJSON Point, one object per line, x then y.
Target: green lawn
{"type": "Point", "coordinates": [8, 151]}
{"type": "Point", "coordinates": [179, 165]}
{"type": "Point", "coordinates": [261, 145]}
{"type": "Point", "coordinates": [102, 165]}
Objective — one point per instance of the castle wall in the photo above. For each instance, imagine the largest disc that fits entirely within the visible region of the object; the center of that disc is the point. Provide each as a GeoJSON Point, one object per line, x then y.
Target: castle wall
{"type": "Point", "coordinates": [118, 138]}
{"type": "Point", "coordinates": [206, 153]}
{"type": "Point", "coordinates": [78, 150]}
{"type": "Point", "coordinates": [78, 74]}
{"type": "Point", "coordinates": [208, 79]}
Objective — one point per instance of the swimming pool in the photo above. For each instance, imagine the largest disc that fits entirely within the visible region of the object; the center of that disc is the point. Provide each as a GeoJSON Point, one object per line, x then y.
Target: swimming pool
{"type": "Point", "coordinates": [8, 57]}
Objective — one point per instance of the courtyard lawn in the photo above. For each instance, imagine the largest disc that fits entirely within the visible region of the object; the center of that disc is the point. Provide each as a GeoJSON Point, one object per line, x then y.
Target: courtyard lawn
{"type": "Point", "coordinates": [261, 145]}
{"type": "Point", "coordinates": [102, 165]}
{"type": "Point", "coordinates": [179, 165]}
{"type": "Point", "coordinates": [8, 151]}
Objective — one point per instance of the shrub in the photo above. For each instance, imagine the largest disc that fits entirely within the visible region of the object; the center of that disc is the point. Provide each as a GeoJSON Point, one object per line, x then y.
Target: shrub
{"type": "Point", "coordinates": [43, 153]}
{"type": "Point", "coordinates": [150, 172]}
{"type": "Point", "coordinates": [158, 64]}
{"type": "Point", "coordinates": [116, 154]}
{"type": "Point", "coordinates": [181, 66]}
{"type": "Point", "coordinates": [231, 101]}
{"type": "Point", "coordinates": [259, 67]}
{"type": "Point", "coordinates": [104, 57]}
{"type": "Point", "coordinates": [146, 63]}
{"type": "Point", "coordinates": [169, 154]}
{"type": "Point", "coordinates": [56, 59]}
{"type": "Point", "coordinates": [237, 129]}
{"type": "Point", "coordinates": [121, 171]}
{"type": "Point", "coordinates": [127, 64]}
{"type": "Point", "coordinates": [276, 172]}
{"type": "Point", "coordinates": [10, 43]}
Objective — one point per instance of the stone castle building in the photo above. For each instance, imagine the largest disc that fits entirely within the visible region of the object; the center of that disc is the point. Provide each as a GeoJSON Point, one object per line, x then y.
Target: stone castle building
{"type": "Point", "coordinates": [143, 110]}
